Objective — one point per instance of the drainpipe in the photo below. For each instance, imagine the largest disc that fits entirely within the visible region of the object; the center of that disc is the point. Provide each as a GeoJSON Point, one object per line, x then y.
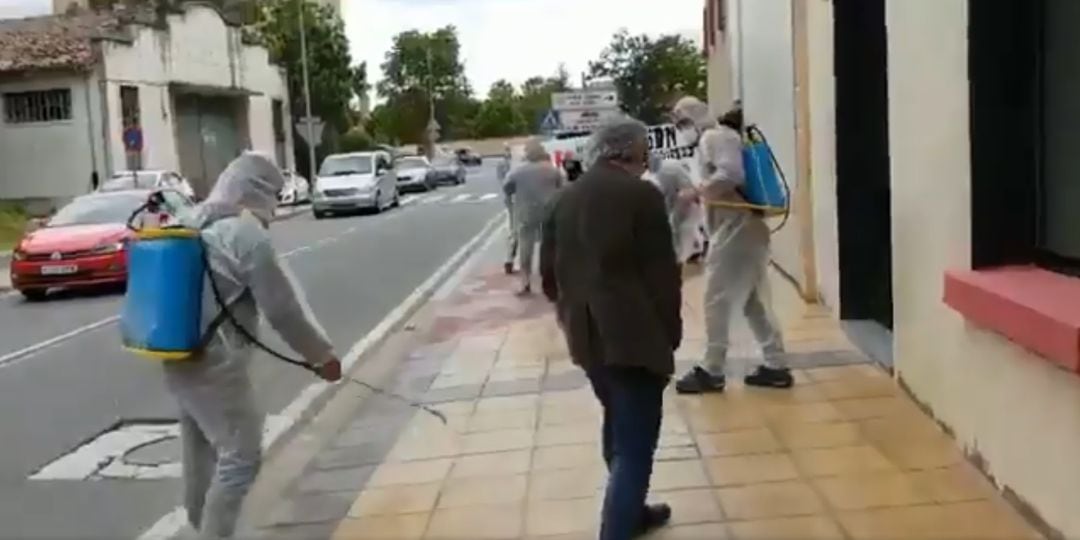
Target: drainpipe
{"type": "Point", "coordinates": [106, 139]}
{"type": "Point", "coordinates": [90, 125]}
{"type": "Point", "coordinates": [803, 204]}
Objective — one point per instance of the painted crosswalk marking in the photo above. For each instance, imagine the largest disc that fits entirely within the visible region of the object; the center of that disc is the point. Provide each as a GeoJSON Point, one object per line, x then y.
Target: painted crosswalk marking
{"type": "Point", "coordinates": [409, 199]}
{"type": "Point", "coordinates": [448, 198]}
{"type": "Point", "coordinates": [488, 196]}
{"type": "Point", "coordinates": [462, 198]}
{"type": "Point", "coordinates": [431, 199]}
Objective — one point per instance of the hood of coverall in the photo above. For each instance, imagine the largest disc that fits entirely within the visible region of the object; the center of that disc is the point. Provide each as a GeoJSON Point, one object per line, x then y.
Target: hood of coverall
{"type": "Point", "coordinates": [251, 182]}
{"type": "Point", "coordinates": [695, 110]}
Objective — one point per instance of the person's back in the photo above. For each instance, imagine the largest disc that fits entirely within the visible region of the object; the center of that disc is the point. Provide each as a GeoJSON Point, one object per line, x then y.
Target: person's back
{"type": "Point", "coordinates": [533, 185]}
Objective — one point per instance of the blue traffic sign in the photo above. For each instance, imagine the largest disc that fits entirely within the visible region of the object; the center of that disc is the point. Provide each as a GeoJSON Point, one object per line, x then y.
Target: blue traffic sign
{"type": "Point", "coordinates": [551, 121]}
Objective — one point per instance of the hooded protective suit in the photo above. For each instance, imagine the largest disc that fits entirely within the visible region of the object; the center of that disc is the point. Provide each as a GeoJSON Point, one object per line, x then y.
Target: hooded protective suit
{"type": "Point", "coordinates": [738, 256]}
{"type": "Point", "coordinates": [220, 426]}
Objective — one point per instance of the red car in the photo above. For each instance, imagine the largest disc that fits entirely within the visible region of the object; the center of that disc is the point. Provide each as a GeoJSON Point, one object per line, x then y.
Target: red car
{"type": "Point", "coordinates": [84, 243]}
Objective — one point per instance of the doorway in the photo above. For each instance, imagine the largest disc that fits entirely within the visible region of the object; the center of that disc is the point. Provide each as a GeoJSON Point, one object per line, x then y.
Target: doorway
{"type": "Point", "coordinates": [862, 169]}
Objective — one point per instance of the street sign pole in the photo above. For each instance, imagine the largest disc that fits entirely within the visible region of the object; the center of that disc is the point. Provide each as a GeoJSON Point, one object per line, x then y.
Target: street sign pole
{"type": "Point", "coordinates": [307, 95]}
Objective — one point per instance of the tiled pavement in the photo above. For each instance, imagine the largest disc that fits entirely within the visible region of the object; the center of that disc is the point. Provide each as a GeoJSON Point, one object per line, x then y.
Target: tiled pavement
{"type": "Point", "coordinates": [842, 455]}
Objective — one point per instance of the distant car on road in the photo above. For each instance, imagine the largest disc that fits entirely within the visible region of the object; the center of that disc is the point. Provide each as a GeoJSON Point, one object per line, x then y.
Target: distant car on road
{"type": "Point", "coordinates": [154, 179]}
{"type": "Point", "coordinates": [297, 190]}
{"type": "Point", "coordinates": [84, 244]}
{"type": "Point", "coordinates": [467, 157]}
{"type": "Point", "coordinates": [355, 181]}
{"type": "Point", "coordinates": [414, 173]}
{"type": "Point", "coordinates": [448, 170]}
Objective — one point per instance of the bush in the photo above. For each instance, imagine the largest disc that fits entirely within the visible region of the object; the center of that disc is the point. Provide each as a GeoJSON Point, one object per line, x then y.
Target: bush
{"type": "Point", "coordinates": [12, 225]}
{"type": "Point", "coordinates": [356, 140]}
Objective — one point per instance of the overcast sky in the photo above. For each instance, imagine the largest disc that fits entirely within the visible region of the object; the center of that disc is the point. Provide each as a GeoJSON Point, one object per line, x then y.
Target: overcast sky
{"type": "Point", "coordinates": [511, 39]}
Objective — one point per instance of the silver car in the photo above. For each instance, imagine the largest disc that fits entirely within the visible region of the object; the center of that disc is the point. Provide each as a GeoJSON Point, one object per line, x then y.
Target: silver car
{"type": "Point", "coordinates": [414, 173]}
{"type": "Point", "coordinates": [353, 182]}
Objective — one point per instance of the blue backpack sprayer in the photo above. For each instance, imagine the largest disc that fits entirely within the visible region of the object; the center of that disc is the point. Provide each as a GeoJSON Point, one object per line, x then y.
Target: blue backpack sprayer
{"type": "Point", "coordinates": [161, 318]}
{"type": "Point", "coordinates": [766, 189]}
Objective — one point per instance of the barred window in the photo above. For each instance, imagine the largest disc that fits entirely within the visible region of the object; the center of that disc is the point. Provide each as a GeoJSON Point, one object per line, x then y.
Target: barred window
{"type": "Point", "coordinates": [38, 106]}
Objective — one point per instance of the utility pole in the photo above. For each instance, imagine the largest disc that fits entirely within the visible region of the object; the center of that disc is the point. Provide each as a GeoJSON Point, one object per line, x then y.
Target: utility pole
{"type": "Point", "coordinates": [433, 125]}
{"type": "Point", "coordinates": [307, 94]}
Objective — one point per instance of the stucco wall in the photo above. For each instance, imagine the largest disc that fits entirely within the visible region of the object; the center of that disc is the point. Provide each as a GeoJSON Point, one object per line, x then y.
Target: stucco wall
{"type": "Point", "coordinates": [29, 163]}
{"type": "Point", "coordinates": [822, 87]}
{"type": "Point", "coordinates": [1021, 414]}
{"type": "Point", "coordinates": [766, 76]}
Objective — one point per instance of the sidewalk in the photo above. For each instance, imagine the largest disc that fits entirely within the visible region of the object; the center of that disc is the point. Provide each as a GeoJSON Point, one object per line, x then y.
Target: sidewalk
{"type": "Point", "coordinates": [843, 455]}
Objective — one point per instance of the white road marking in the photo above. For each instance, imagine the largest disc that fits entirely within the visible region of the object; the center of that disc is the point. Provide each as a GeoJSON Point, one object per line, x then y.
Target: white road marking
{"type": "Point", "coordinates": [170, 524]}
{"type": "Point", "coordinates": [409, 199]}
{"type": "Point", "coordinates": [27, 351]}
{"type": "Point", "coordinates": [488, 196]}
{"type": "Point", "coordinates": [462, 198]}
{"type": "Point", "coordinates": [431, 199]}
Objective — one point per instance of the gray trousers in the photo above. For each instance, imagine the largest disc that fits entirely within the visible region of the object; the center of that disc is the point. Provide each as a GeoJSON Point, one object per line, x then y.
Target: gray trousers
{"type": "Point", "coordinates": [528, 240]}
{"type": "Point", "coordinates": [512, 239]}
{"type": "Point", "coordinates": [735, 280]}
{"type": "Point", "coordinates": [222, 452]}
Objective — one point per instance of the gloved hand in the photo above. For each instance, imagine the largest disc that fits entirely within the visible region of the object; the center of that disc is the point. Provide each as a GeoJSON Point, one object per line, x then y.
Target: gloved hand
{"type": "Point", "coordinates": [330, 370]}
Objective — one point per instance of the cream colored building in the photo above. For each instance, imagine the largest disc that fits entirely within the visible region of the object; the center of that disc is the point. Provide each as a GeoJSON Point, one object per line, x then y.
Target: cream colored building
{"type": "Point", "coordinates": [936, 183]}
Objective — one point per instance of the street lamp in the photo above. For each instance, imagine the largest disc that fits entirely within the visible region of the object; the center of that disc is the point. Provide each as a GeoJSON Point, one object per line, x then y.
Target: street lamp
{"type": "Point", "coordinates": [307, 93]}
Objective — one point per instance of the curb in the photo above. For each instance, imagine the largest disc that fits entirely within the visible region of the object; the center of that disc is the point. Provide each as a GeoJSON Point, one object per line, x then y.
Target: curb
{"type": "Point", "coordinates": [293, 212]}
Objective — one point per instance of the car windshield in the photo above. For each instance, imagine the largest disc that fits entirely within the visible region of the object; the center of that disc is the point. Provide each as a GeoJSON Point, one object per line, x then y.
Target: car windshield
{"type": "Point", "coordinates": [343, 165]}
{"type": "Point", "coordinates": [99, 209]}
{"type": "Point", "coordinates": [127, 180]}
{"type": "Point", "coordinates": [412, 163]}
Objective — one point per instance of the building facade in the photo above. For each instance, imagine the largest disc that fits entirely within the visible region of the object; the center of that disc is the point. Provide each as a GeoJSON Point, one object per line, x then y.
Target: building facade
{"type": "Point", "coordinates": [930, 143]}
{"type": "Point", "coordinates": [121, 90]}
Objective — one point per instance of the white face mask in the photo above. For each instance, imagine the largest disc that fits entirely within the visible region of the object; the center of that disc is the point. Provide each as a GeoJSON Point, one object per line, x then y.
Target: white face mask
{"type": "Point", "coordinates": [688, 136]}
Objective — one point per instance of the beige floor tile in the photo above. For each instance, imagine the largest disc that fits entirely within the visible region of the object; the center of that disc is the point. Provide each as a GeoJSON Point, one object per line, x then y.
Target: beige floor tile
{"type": "Point", "coordinates": [671, 440]}
{"type": "Point", "coordinates": [716, 422]}
{"type": "Point", "coordinates": [491, 464]}
{"type": "Point", "coordinates": [567, 457]}
{"type": "Point", "coordinates": [834, 373]}
{"type": "Point", "coordinates": [676, 453]}
{"type": "Point", "coordinates": [573, 516]}
{"type": "Point", "coordinates": [403, 527]}
{"type": "Point", "coordinates": [391, 500]}
{"type": "Point", "coordinates": [822, 411]}
{"type": "Point", "coordinates": [734, 443]}
{"type": "Point", "coordinates": [801, 393]}
{"type": "Point", "coordinates": [670, 475]}
{"type": "Point", "coordinates": [417, 447]}
{"type": "Point", "coordinates": [556, 415]}
{"type": "Point", "coordinates": [962, 521]}
{"type": "Point", "coordinates": [820, 435]}
{"type": "Point", "coordinates": [921, 454]}
{"type": "Point", "coordinates": [413, 472]}
{"type": "Point", "coordinates": [761, 501]}
{"type": "Point", "coordinates": [454, 408]}
{"type": "Point", "coordinates": [872, 490]}
{"type": "Point", "coordinates": [842, 460]}
{"type": "Point", "coordinates": [798, 528]}
{"type": "Point", "coordinates": [498, 420]}
{"type": "Point", "coordinates": [751, 469]}
{"type": "Point", "coordinates": [580, 433]}
{"type": "Point", "coordinates": [515, 373]}
{"type": "Point", "coordinates": [458, 379]}
{"type": "Point", "coordinates": [576, 483]}
{"type": "Point", "coordinates": [581, 535]}
{"type": "Point", "coordinates": [954, 484]}
{"type": "Point", "coordinates": [481, 491]}
{"type": "Point", "coordinates": [858, 387]}
{"type": "Point", "coordinates": [907, 426]}
{"type": "Point", "coordinates": [476, 523]}
{"type": "Point", "coordinates": [690, 506]}
{"type": "Point", "coordinates": [876, 407]}
{"type": "Point", "coordinates": [496, 441]}
{"type": "Point", "coordinates": [507, 403]}
{"type": "Point", "coordinates": [703, 531]}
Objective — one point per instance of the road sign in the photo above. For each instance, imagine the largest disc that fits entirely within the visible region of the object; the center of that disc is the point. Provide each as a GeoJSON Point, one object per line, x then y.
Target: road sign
{"type": "Point", "coordinates": [550, 122]}
{"type": "Point", "coordinates": [585, 99]}
{"type": "Point", "coordinates": [316, 130]}
{"type": "Point", "coordinates": [586, 120]}
{"type": "Point", "coordinates": [133, 139]}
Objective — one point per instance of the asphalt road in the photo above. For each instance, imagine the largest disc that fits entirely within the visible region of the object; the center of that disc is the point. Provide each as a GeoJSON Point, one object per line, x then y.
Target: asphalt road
{"type": "Point", "coordinates": [355, 270]}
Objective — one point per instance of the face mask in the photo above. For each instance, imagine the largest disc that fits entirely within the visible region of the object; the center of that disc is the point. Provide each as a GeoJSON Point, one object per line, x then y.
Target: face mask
{"type": "Point", "coordinates": [688, 136]}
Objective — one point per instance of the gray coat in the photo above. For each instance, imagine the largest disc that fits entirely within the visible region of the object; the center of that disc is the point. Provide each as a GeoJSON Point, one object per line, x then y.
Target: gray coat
{"type": "Point", "coordinates": [608, 263]}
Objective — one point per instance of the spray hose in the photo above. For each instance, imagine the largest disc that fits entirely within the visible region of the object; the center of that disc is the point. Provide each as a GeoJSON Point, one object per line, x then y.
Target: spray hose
{"type": "Point", "coordinates": [755, 133]}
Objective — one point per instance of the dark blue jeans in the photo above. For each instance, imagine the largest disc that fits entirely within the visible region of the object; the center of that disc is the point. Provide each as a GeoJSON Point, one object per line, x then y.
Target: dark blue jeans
{"type": "Point", "coordinates": [633, 401]}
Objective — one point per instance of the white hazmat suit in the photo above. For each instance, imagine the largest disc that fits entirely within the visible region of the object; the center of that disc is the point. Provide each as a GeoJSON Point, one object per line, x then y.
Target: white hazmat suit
{"type": "Point", "coordinates": [220, 426]}
{"type": "Point", "coordinates": [737, 259]}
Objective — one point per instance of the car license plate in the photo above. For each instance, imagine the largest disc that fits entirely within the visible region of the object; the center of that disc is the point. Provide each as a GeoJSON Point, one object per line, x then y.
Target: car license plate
{"type": "Point", "coordinates": [59, 270]}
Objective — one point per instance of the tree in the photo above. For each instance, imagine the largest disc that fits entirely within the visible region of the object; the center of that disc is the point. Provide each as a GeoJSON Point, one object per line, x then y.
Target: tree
{"type": "Point", "coordinates": [421, 68]}
{"type": "Point", "coordinates": [536, 96]}
{"type": "Point", "coordinates": [332, 79]}
{"type": "Point", "coordinates": [500, 115]}
{"type": "Point", "coordinates": [651, 74]}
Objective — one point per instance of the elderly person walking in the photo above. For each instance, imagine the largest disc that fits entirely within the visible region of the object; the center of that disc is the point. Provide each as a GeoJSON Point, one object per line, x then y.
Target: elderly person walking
{"type": "Point", "coordinates": [608, 263]}
{"type": "Point", "coordinates": [530, 187]}
{"type": "Point", "coordinates": [501, 171]}
{"type": "Point", "coordinates": [220, 424]}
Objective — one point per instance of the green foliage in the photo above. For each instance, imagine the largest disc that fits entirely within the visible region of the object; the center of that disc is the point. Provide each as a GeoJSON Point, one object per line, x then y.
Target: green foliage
{"type": "Point", "coordinates": [500, 115]}
{"type": "Point", "coordinates": [651, 74]}
{"type": "Point", "coordinates": [355, 140]}
{"type": "Point", "coordinates": [12, 225]}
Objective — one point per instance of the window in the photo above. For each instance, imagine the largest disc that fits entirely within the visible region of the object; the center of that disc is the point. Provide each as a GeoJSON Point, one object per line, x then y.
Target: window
{"type": "Point", "coordinates": [129, 105]}
{"type": "Point", "coordinates": [38, 106]}
{"type": "Point", "coordinates": [721, 16]}
{"type": "Point", "coordinates": [279, 121]}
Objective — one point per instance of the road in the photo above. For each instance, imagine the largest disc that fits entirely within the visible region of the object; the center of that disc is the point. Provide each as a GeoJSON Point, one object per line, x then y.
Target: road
{"type": "Point", "coordinates": [355, 270]}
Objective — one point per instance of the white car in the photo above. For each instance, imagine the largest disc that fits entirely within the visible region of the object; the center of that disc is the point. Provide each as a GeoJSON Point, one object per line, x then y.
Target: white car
{"type": "Point", "coordinates": [355, 181]}
{"type": "Point", "coordinates": [297, 190]}
{"type": "Point", "coordinates": [156, 179]}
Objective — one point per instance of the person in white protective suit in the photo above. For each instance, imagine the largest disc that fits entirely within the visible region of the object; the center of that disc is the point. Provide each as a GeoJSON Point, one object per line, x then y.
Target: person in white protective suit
{"type": "Point", "coordinates": [501, 171]}
{"type": "Point", "coordinates": [673, 180]}
{"type": "Point", "coordinates": [220, 426]}
{"type": "Point", "coordinates": [738, 254]}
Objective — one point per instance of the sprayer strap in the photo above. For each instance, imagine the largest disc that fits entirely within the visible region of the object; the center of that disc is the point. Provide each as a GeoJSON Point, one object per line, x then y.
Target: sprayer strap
{"type": "Point", "coordinates": [220, 319]}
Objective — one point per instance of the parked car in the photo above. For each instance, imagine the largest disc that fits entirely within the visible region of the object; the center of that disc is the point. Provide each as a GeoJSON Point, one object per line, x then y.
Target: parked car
{"type": "Point", "coordinates": [414, 173]}
{"type": "Point", "coordinates": [156, 179]}
{"type": "Point", "coordinates": [297, 190]}
{"type": "Point", "coordinates": [448, 170]}
{"type": "Point", "coordinates": [84, 244]}
{"type": "Point", "coordinates": [467, 157]}
{"type": "Point", "coordinates": [355, 181]}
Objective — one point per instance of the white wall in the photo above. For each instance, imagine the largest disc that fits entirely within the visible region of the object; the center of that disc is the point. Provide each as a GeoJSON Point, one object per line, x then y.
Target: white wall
{"type": "Point", "coordinates": [767, 78]}
{"type": "Point", "coordinates": [823, 151]}
{"type": "Point", "coordinates": [1019, 412]}
{"type": "Point", "coordinates": [50, 160]}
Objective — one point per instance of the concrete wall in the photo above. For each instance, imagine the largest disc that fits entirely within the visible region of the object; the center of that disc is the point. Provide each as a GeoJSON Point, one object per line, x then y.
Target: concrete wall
{"type": "Point", "coordinates": [822, 88]}
{"type": "Point", "coordinates": [721, 88]}
{"type": "Point", "coordinates": [29, 164]}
